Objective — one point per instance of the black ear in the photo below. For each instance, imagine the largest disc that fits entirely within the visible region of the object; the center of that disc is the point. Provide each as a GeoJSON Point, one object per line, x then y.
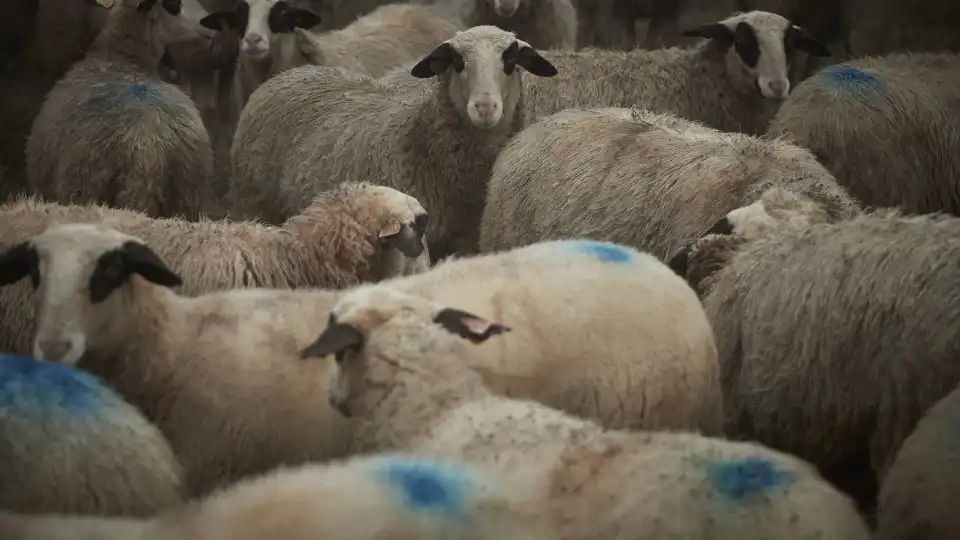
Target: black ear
{"type": "Point", "coordinates": [717, 31]}
{"type": "Point", "coordinates": [438, 61]}
{"type": "Point", "coordinates": [336, 338]}
{"type": "Point", "coordinates": [403, 238]}
{"type": "Point", "coordinates": [142, 260]}
{"type": "Point", "coordinates": [722, 226]}
{"type": "Point", "coordinates": [805, 42]}
{"type": "Point", "coordinates": [302, 18]}
{"type": "Point", "coordinates": [146, 5]}
{"type": "Point", "coordinates": [678, 263]}
{"type": "Point", "coordinates": [528, 58]}
{"type": "Point", "coordinates": [172, 7]}
{"type": "Point", "coordinates": [283, 18]}
{"type": "Point", "coordinates": [18, 262]}
{"type": "Point", "coordinates": [221, 21]}
{"type": "Point", "coordinates": [114, 267]}
{"type": "Point", "coordinates": [468, 325]}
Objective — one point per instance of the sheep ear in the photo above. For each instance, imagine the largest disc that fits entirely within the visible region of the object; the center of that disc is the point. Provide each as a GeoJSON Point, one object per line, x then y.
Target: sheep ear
{"type": "Point", "coordinates": [303, 18]}
{"type": "Point", "coordinates": [140, 259]}
{"type": "Point", "coordinates": [146, 5]}
{"type": "Point", "coordinates": [336, 338]}
{"type": "Point", "coordinates": [722, 226]}
{"type": "Point", "coordinates": [18, 262]}
{"type": "Point", "coordinates": [435, 63]}
{"type": "Point", "coordinates": [805, 42]}
{"type": "Point", "coordinates": [467, 325]}
{"type": "Point", "coordinates": [221, 21]}
{"type": "Point", "coordinates": [679, 262]}
{"type": "Point", "coordinates": [717, 31]}
{"type": "Point", "coordinates": [529, 59]}
{"type": "Point", "coordinates": [173, 7]}
{"type": "Point", "coordinates": [407, 241]}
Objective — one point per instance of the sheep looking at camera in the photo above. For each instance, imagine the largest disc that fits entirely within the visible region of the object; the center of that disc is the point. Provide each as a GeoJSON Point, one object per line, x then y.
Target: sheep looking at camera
{"type": "Point", "coordinates": [399, 372]}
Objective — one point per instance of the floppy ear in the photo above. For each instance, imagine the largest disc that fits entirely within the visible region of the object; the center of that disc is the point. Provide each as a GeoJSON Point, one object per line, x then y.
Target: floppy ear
{"type": "Point", "coordinates": [17, 262]}
{"type": "Point", "coordinates": [146, 5]}
{"type": "Point", "coordinates": [302, 18]}
{"type": "Point", "coordinates": [722, 226]}
{"type": "Point", "coordinates": [467, 325]}
{"type": "Point", "coordinates": [717, 31]}
{"type": "Point", "coordinates": [403, 238]}
{"type": "Point", "coordinates": [805, 42]}
{"type": "Point", "coordinates": [336, 338]}
{"type": "Point", "coordinates": [221, 21]}
{"type": "Point", "coordinates": [140, 259]}
{"type": "Point", "coordinates": [438, 61]}
{"type": "Point", "coordinates": [172, 7]}
{"type": "Point", "coordinates": [529, 59]}
{"type": "Point", "coordinates": [679, 262]}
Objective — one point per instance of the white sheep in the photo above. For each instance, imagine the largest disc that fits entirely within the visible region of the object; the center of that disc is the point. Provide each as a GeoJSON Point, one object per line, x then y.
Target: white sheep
{"type": "Point", "coordinates": [437, 142]}
{"type": "Point", "coordinates": [733, 80]}
{"type": "Point", "coordinates": [352, 234]}
{"type": "Point", "coordinates": [652, 181]}
{"type": "Point", "coordinates": [70, 444]}
{"type": "Point", "coordinates": [544, 24]}
{"type": "Point", "coordinates": [399, 371]}
{"type": "Point", "coordinates": [394, 496]}
{"type": "Point", "coordinates": [112, 132]}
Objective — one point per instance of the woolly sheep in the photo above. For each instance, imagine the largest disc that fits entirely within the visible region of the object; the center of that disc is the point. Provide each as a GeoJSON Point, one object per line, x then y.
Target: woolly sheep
{"type": "Point", "coordinates": [112, 132]}
{"type": "Point", "coordinates": [399, 372]}
{"type": "Point", "coordinates": [918, 497]}
{"type": "Point", "coordinates": [803, 315]}
{"type": "Point", "coordinates": [352, 234]}
{"type": "Point", "coordinates": [436, 142]}
{"type": "Point", "coordinates": [733, 81]}
{"type": "Point", "coordinates": [366, 498]}
{"type": "Point", "coordinates": [653, 181]}
{"type": "Point", "coordinates": [544, 24]}
{"type": "Point", "coordinates": [887, 127]}
{"type": "Point", "coordinates": [69, 444]}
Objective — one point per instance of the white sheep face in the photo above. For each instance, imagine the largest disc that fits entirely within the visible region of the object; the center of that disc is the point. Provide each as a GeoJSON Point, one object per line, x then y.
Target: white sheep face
{"type": "Point", "coordinates": [505, 8]}
{"type": "Point", "coordinates": [264, 20]}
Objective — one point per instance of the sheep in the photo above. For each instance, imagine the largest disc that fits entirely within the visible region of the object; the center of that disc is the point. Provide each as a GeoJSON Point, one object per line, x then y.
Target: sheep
{"type": "Point", "coordinates": [399, 496]}
{"type": "Point", "coordinates": [112, 132]}
{"type": "Point", "coordinates": [544, 24]}
{"type": "Point", "coordinates": [918, 496]}
{"type": "Point", "coordinates": [354, 233]}
{"type": "Point", "coordinates": [69, 444]}
{"type": "Point", "coordinates": [886, 127]}
{"type": "Point", "coordinates": [732, 81]}
{"type": "Point", "coordinates": [399, 373]}
{"type": "Point", "coordinates": [804, 313]}
{"type": "Point", "coordinates": [436, 142]}
{"type": "Point", "coordinates": [652, 181]}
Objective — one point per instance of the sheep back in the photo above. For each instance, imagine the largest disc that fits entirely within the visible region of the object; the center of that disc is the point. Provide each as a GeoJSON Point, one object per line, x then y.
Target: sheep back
{"type": "Point", "coordinates": [886, 127]}
{"type": "Point", "coordinates": [69, 444]}
{"type": "Point", "coordinates": [111, 135]}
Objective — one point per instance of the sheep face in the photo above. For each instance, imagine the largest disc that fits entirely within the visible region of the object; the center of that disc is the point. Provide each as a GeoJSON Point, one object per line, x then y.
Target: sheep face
{"type": "Point", "coordinates": [376, 332]}
{"type": "Point", "coordinates": [80, 272]}
{"type": "Point", "coordinates": [170, 21]}
{"type": "Point", "coordinates": [505, 8]}
{"type": "Point", "coordinates": [261, 22]}
{"type": "Point", "coordinates": [479, 67]}
{"type": "Point", "coordinates": [760, 47]}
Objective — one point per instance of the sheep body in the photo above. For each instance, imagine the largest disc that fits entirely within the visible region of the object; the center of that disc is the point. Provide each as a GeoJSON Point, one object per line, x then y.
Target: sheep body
{"type": "Point", "coordinates": [112, 132]}
{"type": "Point", "coordinates": [648, 180]}
{"type": "Point", "coordinates": [70, 445]}
{"type": "Point", "coordinates": [799, 342]}
{"type": "Point", "coordinates": [334, 243]}
{"type": "Point", "coordinates": [544, 24]}
{"type": "Point", "coordinates": [917, 493]}
{"type": "Point", "coordinates": [886, 127]}
{"type": "Point", "coordinates": [412, 498]}
{"type": "Point", "coordinates": [404, 380]}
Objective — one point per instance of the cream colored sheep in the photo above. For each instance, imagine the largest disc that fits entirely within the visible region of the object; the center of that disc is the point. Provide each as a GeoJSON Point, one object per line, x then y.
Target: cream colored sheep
{"type": "Point", "coordinates": [357, 232]}
{"type": "Point", "coordinates": [400, 372]}
{"type": "Point", "coordinates": [395, 496]}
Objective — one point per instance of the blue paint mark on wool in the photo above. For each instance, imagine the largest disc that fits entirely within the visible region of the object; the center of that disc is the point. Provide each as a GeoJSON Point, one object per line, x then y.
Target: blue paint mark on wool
{"type": "Point", "coordinates": [753, 475]}
{"type": "Point", "coordinates": [31, 387]}
{"type": "Point", "coordinates": [602, 251]}
{"type": "Point", "coordinates": [850, 78]}
{"type": "Point", "coordinates": [426, 485]}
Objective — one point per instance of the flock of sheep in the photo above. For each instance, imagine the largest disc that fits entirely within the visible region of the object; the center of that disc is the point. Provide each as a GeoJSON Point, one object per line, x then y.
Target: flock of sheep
{"type": "Point", "coordinates": [480, 269]}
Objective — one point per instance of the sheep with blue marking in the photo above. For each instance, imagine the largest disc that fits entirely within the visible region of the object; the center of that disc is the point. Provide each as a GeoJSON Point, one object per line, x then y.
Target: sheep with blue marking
{"type": "Point", "coordinates": [918, 498]}
{"type": "Point", "coordinates": [69, 444]}
{"type": "Point", "coordinates": [110, 131]}
{"type": "Point", "coordinates": [399, 372]}
{"type": "Point", "coordinates": [396, 496]}
{"type": "Point", "coordinates": [733, 80]}
{"type": "Point", "coordinates": [887, 127]}
{"type": "Point", "coordinates": [648, 180]}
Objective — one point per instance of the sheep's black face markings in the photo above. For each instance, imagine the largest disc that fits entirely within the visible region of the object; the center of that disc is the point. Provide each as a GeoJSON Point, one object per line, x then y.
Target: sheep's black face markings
{"type": "Point", "coordinates": [172, 7]}
{"type": "Point", "coordinates": [678, 263]}
{"type": "Point", "coordinates": [420, 223]}
{"type": "Point", "coordinates": [798, 38]}
{"type": "Point", "coordinates": [747, 45]}
{"type": "Point", "coordinates": [19, 261]}
{"type": "Point", "coordinates": [114, 267]}
{"type": "Point", "coordinates": [528, 58]}
{"type": "Point", "coordinates": [722, 226]}
{"type": "Point", "coordinates": [283, 18]}
{"type": "Point", "coordinates": [146, 5]}
{"type": "Point", "coordinates": [715, 31]}
{"type": "Point", "coordinates": [438, 61]}
{"type": "Point", "coordinates": [222, 21]}
{"type": "Point", "coordinates": [336, 339]}
{"type": "Point", "coordinates": [468, 325]}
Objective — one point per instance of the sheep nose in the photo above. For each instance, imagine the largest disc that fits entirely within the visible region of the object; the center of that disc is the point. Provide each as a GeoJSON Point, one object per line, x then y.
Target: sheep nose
{"type": "Point", "coordinates": [778, 88]}
{"type": "Point", "coordinates": [53, 350]}
{"type": "Point", "coordinates": [254, 39]}
{"type": "Point", "coordinates": [486, 107]}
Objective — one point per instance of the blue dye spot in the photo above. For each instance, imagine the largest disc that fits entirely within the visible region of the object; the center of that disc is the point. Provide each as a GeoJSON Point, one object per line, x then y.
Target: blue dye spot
{"type": "Point", "coordinates": [753, 475]}
{"type": "Point", "coordinates": [426, 485]}
{"type": "Point", "coordinates": [850, 78]}
{"type": "Point", "coordinates": [602, 251]}
{"type": "Point", "coordinates": [31, 387]}
{"type": "Point", "coordinates": [141, 91]}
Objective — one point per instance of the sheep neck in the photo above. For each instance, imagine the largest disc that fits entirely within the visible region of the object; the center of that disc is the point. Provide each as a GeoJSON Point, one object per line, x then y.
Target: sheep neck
{"type": "Point", "coordinates": [129, 37]}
